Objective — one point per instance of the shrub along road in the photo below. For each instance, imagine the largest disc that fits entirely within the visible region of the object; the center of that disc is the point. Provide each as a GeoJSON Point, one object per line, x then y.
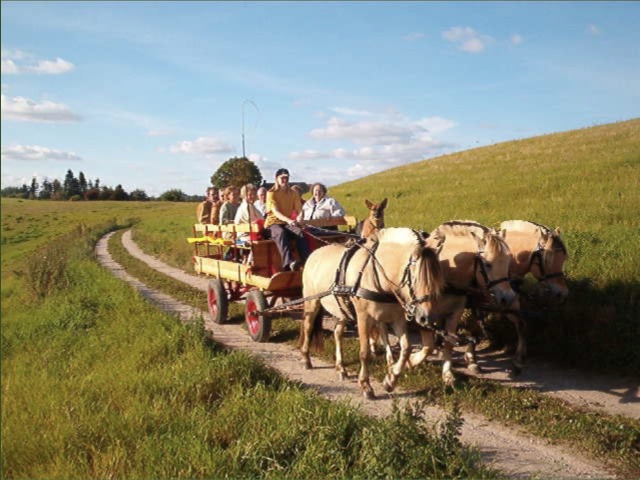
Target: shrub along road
{"type": "Point", "coordinates": [516, 454]}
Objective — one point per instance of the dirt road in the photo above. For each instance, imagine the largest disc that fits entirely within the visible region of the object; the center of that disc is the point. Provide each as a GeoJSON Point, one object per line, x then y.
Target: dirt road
{"type": "Point", "coordinates": [517, 454]}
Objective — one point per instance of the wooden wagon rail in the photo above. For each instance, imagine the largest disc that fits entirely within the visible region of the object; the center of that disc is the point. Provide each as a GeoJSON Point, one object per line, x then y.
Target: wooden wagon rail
{"type": "Point", "coordinates": [242, 265]}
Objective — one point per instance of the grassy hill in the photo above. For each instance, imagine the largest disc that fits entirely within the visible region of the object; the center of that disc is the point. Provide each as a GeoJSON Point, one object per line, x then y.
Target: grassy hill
{"type": "Point", "coordinates": [587, 182]}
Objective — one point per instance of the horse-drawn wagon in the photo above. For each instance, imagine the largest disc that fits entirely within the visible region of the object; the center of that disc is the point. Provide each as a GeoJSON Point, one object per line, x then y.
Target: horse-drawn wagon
{"type": "Point", "coordinates": [251, 269]}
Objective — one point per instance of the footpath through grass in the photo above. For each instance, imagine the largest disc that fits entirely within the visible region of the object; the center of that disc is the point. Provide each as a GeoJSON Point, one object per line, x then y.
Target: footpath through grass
{"type": "Point", "coordinates": [97, 383]}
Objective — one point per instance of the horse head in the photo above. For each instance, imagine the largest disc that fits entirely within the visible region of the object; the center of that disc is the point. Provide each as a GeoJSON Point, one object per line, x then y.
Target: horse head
{"type": "Point", "coordinates": [493, 260]}
{"type": "Point", "coordinates": [474, 255]}
{"type": "Point", "coordinates": [415, 271]}
{"type": "Point", "coordinates": [547, 263]}
{"type": "Point", "coordinates": [540, 250]}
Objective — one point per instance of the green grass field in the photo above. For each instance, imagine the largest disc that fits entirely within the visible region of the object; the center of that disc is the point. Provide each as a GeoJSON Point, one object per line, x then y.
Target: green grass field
{"type": "Point", "coordinates": [95, 383]}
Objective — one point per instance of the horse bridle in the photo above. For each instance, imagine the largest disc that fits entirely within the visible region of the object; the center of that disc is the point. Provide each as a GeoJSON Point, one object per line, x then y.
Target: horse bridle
{"type": "Point", "coordinates": [538, 260]}
{"type": "Point", "coordinates": [482, 264]}
{"type": "Point", "coordinates": [407, 280]}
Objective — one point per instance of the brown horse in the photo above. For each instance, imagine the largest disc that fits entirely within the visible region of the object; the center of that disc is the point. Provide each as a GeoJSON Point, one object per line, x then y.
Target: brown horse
{"type": "Point", "coordinates": [375, 220]}
{"type": "Point", "coordinates": [475, 262]}
{"type": "Point", "coordinates": [392, 278]}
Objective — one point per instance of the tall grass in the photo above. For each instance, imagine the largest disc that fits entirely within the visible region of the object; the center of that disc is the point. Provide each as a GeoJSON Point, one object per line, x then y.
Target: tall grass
{"type": "Point", "coordinates": [97, 383]}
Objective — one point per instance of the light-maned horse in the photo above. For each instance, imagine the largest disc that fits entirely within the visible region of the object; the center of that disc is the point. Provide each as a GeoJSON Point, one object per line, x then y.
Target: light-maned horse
{"type": "Point", "coordinates": [475, 262]}
{"type": "Point", "coordinates": [400, 277]}
{"type": "Point", "coordinates": [538, 250]}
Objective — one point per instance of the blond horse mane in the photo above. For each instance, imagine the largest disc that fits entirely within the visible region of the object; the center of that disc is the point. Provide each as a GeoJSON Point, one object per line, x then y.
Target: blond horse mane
{"type": "Point", "coordinates": [493, 242]}
{"type": "Point", "coordinates": [428, 277]}
{"type": "Point", "coordinates": [527, 226]}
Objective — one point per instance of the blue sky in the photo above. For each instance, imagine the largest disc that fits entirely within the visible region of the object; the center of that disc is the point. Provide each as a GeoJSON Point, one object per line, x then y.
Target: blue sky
{"type": "Point", "coordinates": [152, 95]}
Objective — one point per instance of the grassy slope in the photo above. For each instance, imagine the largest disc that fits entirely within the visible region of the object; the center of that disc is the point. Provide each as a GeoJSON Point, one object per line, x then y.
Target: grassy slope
{"type": "Point", "coordinates": [586, 181]}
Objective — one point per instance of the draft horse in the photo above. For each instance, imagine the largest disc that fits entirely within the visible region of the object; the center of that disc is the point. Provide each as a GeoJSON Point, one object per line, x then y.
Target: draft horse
{"type": "Point", "coordinates": [391, 278]}
{"type": "Point", "coordinates": [475, 264]}
{"type": "Point", "coordinates": [538, 250]}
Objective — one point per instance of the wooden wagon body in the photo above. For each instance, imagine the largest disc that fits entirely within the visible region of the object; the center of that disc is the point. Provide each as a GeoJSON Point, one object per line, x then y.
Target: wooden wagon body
{"type": "Point", "coordinates": [250, 269]}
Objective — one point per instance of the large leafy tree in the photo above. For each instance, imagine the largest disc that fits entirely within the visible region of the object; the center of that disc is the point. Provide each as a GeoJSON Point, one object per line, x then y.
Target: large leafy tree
{"type": "Point", "coordinates": [236, 171]}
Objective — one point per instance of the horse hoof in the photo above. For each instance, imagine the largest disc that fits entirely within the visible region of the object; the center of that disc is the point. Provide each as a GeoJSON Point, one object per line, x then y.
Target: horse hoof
{"type": "Point", "coordinates": [368, 395]}
{"type": "Point", "coordinates": [449, 380]}
{"type": "Point", "coordinates": [388, 385]}
{"type": "Point", "coordinates": [307, 365]}
{"type": "Point", "coordinates": [342, 376]}
{"type": "Point", "coordinates": [515, 371]}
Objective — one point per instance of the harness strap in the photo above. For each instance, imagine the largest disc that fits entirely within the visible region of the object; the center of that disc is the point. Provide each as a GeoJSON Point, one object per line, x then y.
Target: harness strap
{"type": "Point", "coordinates": [375, 296]}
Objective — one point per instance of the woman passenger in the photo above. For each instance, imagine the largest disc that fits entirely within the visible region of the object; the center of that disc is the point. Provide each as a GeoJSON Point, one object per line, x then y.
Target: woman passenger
{"type": "Point", "coordinates": [247, 212]}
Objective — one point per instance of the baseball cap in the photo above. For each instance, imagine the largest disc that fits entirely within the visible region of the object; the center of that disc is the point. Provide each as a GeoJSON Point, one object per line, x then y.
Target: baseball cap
{"type": "Point", "coordinates": [282, 171]}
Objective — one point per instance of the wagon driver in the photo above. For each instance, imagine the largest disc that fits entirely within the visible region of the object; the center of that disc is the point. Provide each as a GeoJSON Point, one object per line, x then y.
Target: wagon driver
{"type": "Point", "coordinates": [284, 208]}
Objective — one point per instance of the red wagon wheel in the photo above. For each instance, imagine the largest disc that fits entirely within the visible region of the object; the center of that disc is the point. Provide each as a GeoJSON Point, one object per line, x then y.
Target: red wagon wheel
{"type": "Point", "coordinates": [258, 324]}
{"type": "Point", "coordinates": [217, 301]}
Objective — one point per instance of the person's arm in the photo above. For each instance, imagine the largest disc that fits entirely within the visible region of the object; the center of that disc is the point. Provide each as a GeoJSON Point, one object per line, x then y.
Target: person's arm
{"type": "Point", "coordinates": [336, 209]}
{"type": "Point", "coordinates": [242, 215]}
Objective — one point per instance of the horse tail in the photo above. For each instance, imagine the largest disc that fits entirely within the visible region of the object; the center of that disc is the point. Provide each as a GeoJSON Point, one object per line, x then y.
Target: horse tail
{"type": "Point", "coordinates": [316, 339]}
{"type": "Point", "coordinates": [316, 342]}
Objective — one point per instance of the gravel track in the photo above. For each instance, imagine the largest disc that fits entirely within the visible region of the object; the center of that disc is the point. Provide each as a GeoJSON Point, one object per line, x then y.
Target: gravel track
{"type": "Point", "coordinates": [515, 453]}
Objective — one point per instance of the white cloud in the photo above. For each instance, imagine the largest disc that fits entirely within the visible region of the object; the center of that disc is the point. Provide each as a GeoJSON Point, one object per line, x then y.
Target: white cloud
{"type": "Point", "coordinates": [351, 112]}
{"type": "Point", "coordinates": [207, 146]}
{"type": "Point", "coordinates": [516, 39]}
{"type": "Point", "coordinates": [307, 155]}
{"type": "Point", "coordinates": [388, 130]}
{"type": "Point", "coordinates": [35, 152]}
{"type": "Point", "coordinates": [413, 36]}
{"type": "Point", "coordinates": [593, 29]}
{"type": "Point", "coordinates": [26, 110]}
{"type": "Point", "coordinates": [15, 62]}
{"type": "Point", "coordinates": [388, 141]}
{"type": "Point", "coordinates": [9, 67]}
{"type": "Point", "coordinates": [48, 67]}
{"type": "Point", "coordinates": [467, 39]}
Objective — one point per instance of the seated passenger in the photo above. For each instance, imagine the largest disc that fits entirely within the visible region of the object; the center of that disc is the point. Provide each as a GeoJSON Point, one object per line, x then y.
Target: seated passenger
{"type": "Point", "coordinates": [230, 205]}
{"type": "Point", "coordinates": [215, 207]}
{"type": "Point", "coordinates": [283, 219]}
{"type": "Point", "coordinates": [203, 210]}
{"type": "Point", "coordinates": [321, 206]}
{"type": "Point", "coordinates": [247, 212]}
{"type": "Point", "coordinates": [261, 202]}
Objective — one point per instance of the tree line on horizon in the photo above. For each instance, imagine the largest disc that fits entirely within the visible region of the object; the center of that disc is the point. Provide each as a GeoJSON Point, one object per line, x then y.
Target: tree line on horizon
{"type": "Point", "coordinates": [236, 171]}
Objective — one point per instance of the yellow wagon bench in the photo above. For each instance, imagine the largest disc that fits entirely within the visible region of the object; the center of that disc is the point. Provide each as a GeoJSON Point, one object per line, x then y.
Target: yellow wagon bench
{"type": "Point", "coordinates": [250, 269]}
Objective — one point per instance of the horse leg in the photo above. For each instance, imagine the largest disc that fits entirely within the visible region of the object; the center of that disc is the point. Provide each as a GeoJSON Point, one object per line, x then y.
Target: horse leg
{"type": "Point", "coordinates": [451, 327]}
{"type": "Point", "coordinates": [383, 336]}
{"type": "Point", "coordinates": [365, 353]}
{"type": "Point", "coordinates": [311, 311]}
{"type": "Point", "coordinates": [521, 349]}
{"type": "Point", "coordinates": [338, 332]}
{"type": "Point", "coordinates": [391, 379]}
{"type": "Point", "coordinates": [428, 340]}
{"type": "Point", "coordinates": [473, 325]}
